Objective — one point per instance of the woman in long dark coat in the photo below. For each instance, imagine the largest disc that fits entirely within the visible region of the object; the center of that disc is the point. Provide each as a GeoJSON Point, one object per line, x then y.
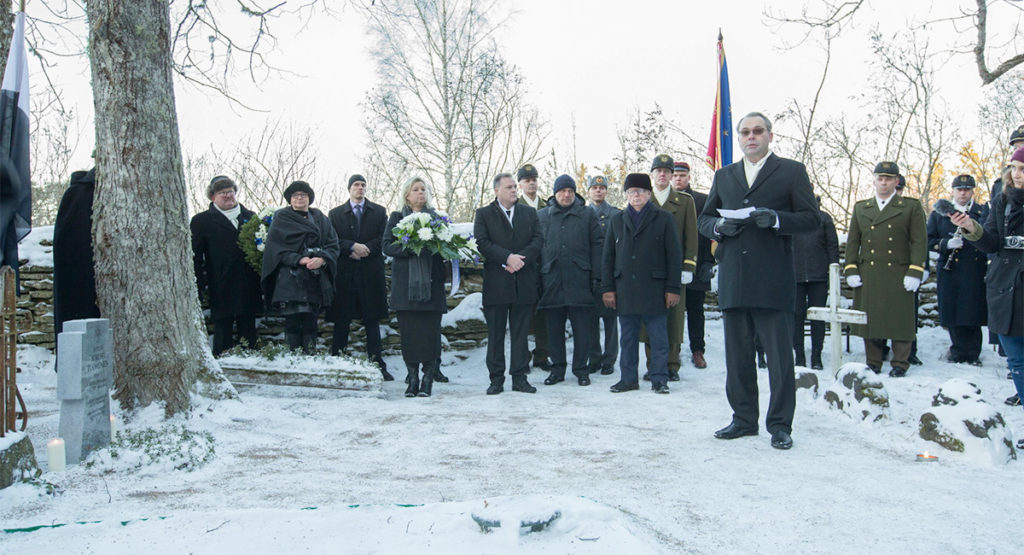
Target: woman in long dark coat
{"type": "Point", "coordinates": [1002, 236]}
{"type": "Point", "coordinates": [299, 265]}
{"type": "Point", "coordinates": [417, 294]}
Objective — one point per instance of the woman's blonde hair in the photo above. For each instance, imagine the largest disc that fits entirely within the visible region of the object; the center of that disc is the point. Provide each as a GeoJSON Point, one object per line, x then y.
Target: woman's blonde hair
{"type": "Point", "coordinates": [408, 187]}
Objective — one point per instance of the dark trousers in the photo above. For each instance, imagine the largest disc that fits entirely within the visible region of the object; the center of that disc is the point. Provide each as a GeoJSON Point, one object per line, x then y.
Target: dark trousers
{"type": "Point", "coordinates": [223, 337]}
{"type": "Point", "coordinates": [695, 319]}
{"type": "Point", "coordinates": [599, 360]}
{"type": "Point", "coordinates": [580, 317]}
{"type": "Point", "coordinates": [517, 317]}
{"type": "Point", "coordinates": [966, 343]}
{"type": "Point", "coordinates": [873, 352]}
{"type": "Point", "coordinates": [539, 331]}
{"type": "Point", "coordinates": [373, 345]}
{"type": "Point", "coordinates": [810, 293]}
{"type": "Point", "coordinates": [629, 347]}
{"type": "Point", "coordinates": [774, 328]}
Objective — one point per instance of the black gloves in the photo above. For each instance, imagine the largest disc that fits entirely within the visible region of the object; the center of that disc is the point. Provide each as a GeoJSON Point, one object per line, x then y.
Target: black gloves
{"type": "Point", "coordinates": [764, 217]}
{"type": "Point", "coordinates": [729, 227]}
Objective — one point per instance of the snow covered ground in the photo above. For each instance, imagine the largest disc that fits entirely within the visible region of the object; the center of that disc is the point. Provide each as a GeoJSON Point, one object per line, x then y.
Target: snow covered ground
{"type": "Point", "coordinates": [312, 472]}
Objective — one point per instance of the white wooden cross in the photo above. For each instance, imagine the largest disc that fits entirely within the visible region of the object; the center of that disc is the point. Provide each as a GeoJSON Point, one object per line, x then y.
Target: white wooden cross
{"type": "Point", "coordinates": [836, 316]}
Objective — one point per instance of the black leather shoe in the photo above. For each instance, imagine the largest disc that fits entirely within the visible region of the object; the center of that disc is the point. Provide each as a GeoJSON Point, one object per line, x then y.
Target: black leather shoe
{"type": "Point", "coordinates": [386, 375]}
{"type": "Point", "coordinates": [733, 431]}
{"type": "Point", "coordinates": [898, 372]}
{"type": "Point", "coordinates": [647, 376]}
{"type": "Point", "coordinates": [912, 359]}
{"type": "Point", "coordinates": [439, 377]}
{"type": "Point", "coordinates": [584, 380]}
{"type": "Point", "coordinates": [816, 362]}
{"type": "Point", "coordinates": [875, 369]}
{"type": "Point", "coordinates": [799, 360]}
{"type": "Point", "coordinates": [554, 378]}
{"type": "Point", "coordinates": [973, 362]}
{"type": "Point", "coordinates": [621, 387]}
{"type": "Point", "coordinates": [781, 440]}
{"type": "Point", "coordinates": [520, 384]}
{"type": "Point", "coordinates": [542, 363]}
{"type": "Point", "coordinates": [495, 388]}
{"type": "Point", "coordinates": [660, 388]}
{"type": "Point", "coordinates": [1020, 444]}
{"type": "Point", "coordinates": [1013, 401]}
{"type": "Point", "coordinates": [607, 370]}
{"type": "Point", "coordinates": [594, 369]}
{"type": "Point", "coordinates": [673, 375]}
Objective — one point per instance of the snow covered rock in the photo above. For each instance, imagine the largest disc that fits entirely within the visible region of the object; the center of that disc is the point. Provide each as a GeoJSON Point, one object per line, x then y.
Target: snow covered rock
{"type": "Point", "coordinates": [962, 421]}
{"type": "Point", "coordinates": [859, 393]}
{"type": "Point", "coordinates": [331, 372]}
{"type": "Point", "coordinates": [17, 459]}
{"type": "Point", "coordinates": [808, 381]}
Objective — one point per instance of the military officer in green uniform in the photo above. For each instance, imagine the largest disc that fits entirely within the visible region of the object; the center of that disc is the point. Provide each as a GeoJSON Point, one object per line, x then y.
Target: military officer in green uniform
{"type": "Point", "coordinates": [527, 178]}
{"type": "Point", "coordinates": [885, 256]}
{"type": "Point", "coordinates": [684, 216]}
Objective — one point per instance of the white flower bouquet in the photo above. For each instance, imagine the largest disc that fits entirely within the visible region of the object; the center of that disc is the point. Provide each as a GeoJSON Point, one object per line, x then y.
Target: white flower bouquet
{"type": "Point", "coordinates": [422, 230]}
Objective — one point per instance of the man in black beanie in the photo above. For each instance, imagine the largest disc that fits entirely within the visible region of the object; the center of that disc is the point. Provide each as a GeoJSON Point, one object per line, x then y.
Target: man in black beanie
{"type": "Point", "coordinates": [641, 273]}
{"type": "Point", "coordinates": [359, 290]}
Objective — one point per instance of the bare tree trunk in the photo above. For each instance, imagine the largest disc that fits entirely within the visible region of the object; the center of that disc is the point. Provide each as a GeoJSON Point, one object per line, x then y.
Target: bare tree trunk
{"type": "Point", "coordinates": [144, 275]}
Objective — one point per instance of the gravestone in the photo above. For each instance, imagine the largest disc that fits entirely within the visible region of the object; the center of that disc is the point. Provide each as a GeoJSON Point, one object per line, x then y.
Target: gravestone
{"type": "Point", "coordinates": [85, 373]}
{"type": "Point", "coordinates": [836, 316]}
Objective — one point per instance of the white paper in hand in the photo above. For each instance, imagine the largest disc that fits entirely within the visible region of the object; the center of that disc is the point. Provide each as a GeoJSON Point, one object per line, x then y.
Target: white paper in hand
{"type": "Point", "coordinates": [739, 214]}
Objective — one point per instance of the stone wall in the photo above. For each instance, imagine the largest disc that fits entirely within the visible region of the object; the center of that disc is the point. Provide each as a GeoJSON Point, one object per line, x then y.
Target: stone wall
{"type": "Point", "coordinates": [35, 312]}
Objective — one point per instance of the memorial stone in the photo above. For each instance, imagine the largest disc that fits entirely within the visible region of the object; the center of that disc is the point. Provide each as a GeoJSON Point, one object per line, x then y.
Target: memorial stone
{"type": "Point", "coordinates": [85, 371]}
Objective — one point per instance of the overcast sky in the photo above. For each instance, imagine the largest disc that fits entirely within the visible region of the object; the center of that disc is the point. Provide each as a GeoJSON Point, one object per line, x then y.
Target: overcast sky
{"type": "Point", "coordinates": [592, 62]}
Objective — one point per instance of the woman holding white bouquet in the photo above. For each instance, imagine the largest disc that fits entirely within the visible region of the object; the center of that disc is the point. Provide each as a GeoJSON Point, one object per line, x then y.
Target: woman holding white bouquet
{"type": "Point", "coordinates": [414, 238]}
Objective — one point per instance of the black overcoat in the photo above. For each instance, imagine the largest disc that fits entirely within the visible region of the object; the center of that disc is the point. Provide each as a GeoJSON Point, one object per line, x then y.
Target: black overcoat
{"type": "Point", "coordinates": [74, 275]}
{"type": "Point", "coordinates": [961, 289]}
{"type": "Point", "coordinates": [363, 278]}
{"type": "Point", "coordinates": [496, 239]}
{"type": "Point", "coordinates": [222, 273]}
{"type": "Point", "coordinates": [570, 261]}
{"type": "Point", "coordinates": [705, 260]}
{"type": "Point", "coordinates": [640, 264]}
{"type": "Point", "coordinates": [814, 251]}
{"type": "Point", "coordinates": [1004, 281]}
{"type": "Point", "coordinates": [401, 259]}
{"type": "Point", "coordinates": [755, 268]}
{"type": "Point", "coordinates": [290, 236]}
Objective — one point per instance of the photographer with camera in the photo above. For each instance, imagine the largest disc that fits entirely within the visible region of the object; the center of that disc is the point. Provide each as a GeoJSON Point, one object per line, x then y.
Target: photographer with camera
{"type": "Point", "coordinates": [299, 265]}
{"type": "Point", "coordinates": [960, 272]}
{"type": "Point", "coordinates": [1003, 237]}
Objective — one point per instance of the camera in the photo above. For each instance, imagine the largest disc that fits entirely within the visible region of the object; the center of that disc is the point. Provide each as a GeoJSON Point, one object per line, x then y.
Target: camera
{"type": "Point", "coordinates": [314, 253]}
{"type": "Point", "coordinates": [1014, 242]}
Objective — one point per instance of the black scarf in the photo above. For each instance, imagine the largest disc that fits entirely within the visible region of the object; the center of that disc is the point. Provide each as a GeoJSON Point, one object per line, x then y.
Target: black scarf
{"type": "Point", "coordinates": [296, 232]}
{"type": "Point", "coordinates": [1014, 211]}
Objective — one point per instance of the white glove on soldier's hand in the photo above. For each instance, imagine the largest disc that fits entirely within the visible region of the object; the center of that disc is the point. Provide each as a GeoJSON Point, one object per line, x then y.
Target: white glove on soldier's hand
{"type": "Point", "coordinates": [954, 243]}
{"type": "Point", "coordinates": [924, 277]}
{"type": "Point", "coordinates": [853, 281]}
{"type": "Point", "coordinates": [911, 283]}
{"type": "Point", "coordinates": [687, 278]}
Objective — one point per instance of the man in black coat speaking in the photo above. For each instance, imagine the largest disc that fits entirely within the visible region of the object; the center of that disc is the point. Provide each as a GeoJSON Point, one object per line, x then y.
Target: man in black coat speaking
{"type": "Point", "coordinates": [772, 199]}
{"type": "Point", "coordinates": [222, 273]}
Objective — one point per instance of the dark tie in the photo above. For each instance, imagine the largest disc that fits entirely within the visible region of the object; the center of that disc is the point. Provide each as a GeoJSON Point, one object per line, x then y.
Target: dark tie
{"type": "Point", "coordinates": [509, 214]}
{"type": "Point", "coordinates": [359, 215]}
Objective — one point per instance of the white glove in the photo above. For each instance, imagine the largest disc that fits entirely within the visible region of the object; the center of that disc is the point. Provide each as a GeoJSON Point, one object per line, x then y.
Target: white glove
{"type": "Point", "coordinates": [911, 283]}
{"type": "Point", "coordinates": [924, 277]}
{"type": "Point", "coordinates": [954, 243]}
{"type": "Point", "coordinates": [687, 277]}
{"type": "Point", "coordinates": [854, 281]}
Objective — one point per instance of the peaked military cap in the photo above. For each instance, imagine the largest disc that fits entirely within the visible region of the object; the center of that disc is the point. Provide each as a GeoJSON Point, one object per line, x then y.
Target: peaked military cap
{"type": "Point", "coordinates": [887, 168]}
{"type": "Point", "coordinates": [681, 166]}
{"type": "Point", "coordinates": [526, 172]}
{"type": "Point", "coordinates": [963, 182]}
{"type": "Point", "coordinates": [662, 161]}
{"type": "Point", "coordinates": [598, 181]}
{"type": "Point", "coordinates": [1017, 135]}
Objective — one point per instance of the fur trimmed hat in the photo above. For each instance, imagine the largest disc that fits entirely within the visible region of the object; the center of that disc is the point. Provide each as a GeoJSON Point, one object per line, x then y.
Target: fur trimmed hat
{"type": "Point", "coordinates": [637, 181]}
{"type": "Point", "coordinates": [220, 183]}
{"type": "Point", "coordinates": [299, 186]}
